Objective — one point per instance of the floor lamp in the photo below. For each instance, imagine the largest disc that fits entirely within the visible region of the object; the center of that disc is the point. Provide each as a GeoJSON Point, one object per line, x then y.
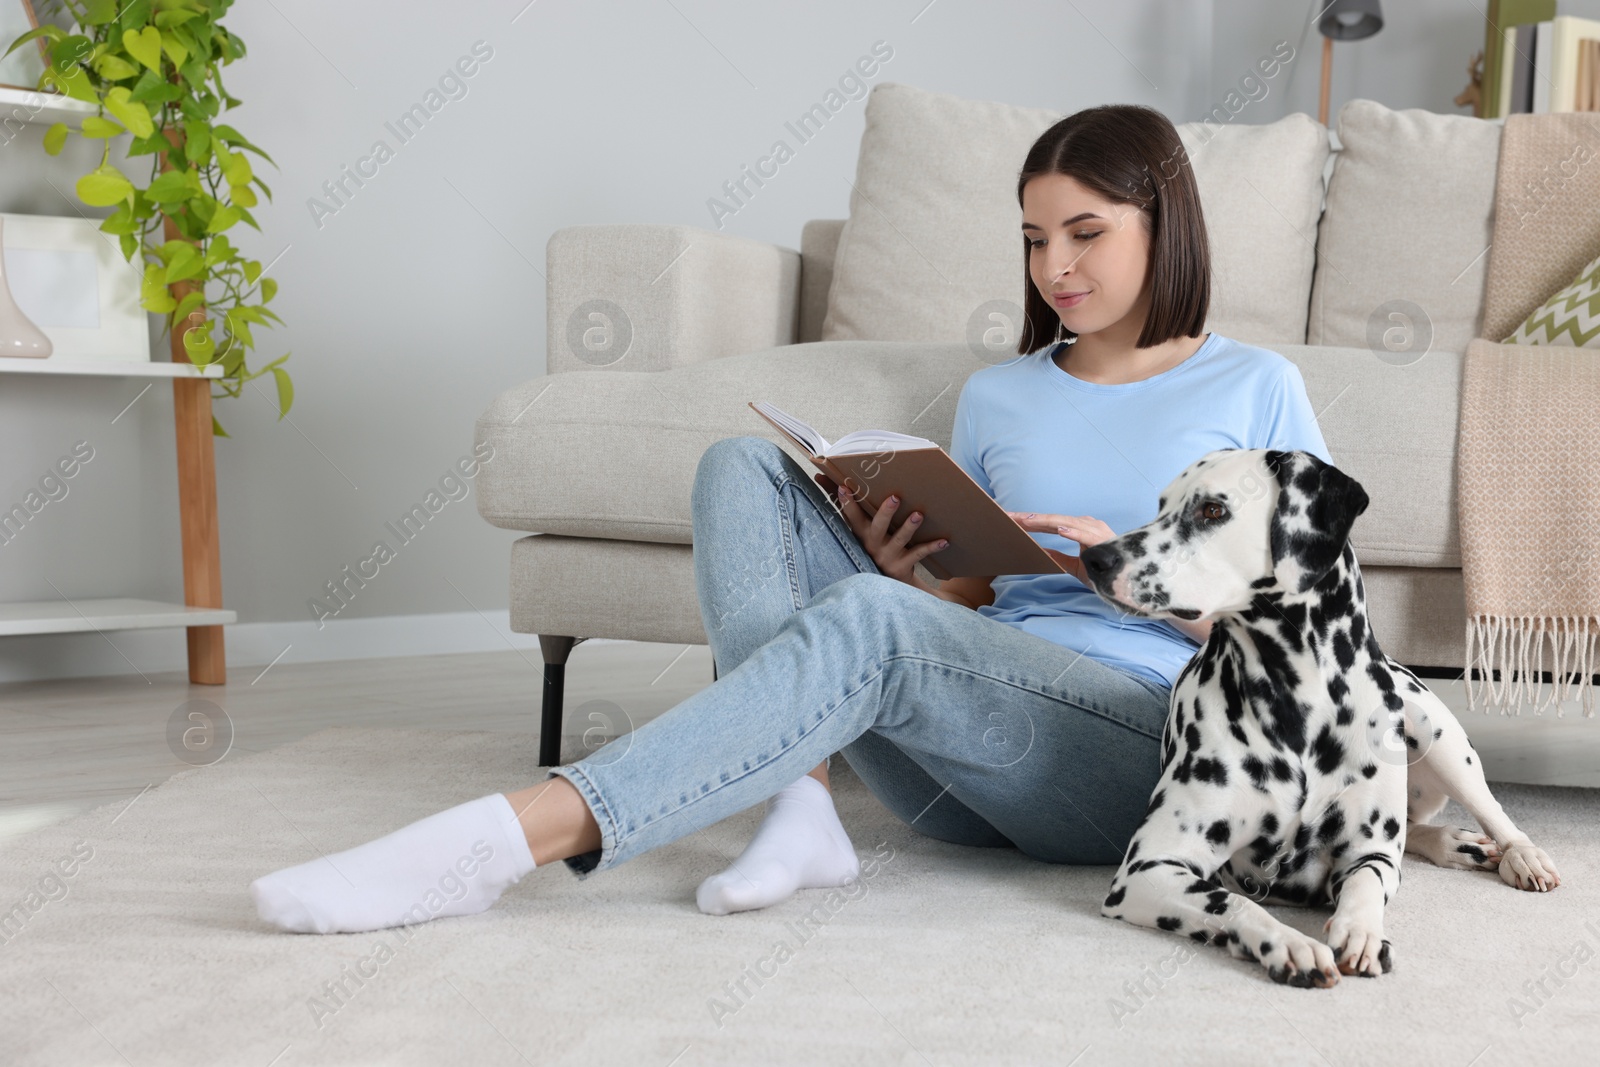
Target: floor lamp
{"type": "Point", "coordinates": [1344, 20]}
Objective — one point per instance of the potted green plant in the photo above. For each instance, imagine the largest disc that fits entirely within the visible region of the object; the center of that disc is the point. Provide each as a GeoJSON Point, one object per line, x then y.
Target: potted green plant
{"type": "Point", "coordinates": [154, 68]}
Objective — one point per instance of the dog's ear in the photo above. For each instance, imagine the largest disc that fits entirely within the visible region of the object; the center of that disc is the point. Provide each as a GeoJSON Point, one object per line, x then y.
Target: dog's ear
{"type": "Point", "coordinates": [1317, 505]}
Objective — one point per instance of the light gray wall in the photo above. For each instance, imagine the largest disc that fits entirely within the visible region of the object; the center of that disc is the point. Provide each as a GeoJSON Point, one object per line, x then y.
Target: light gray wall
{"type": "Point", "coordinates": [422, 297]}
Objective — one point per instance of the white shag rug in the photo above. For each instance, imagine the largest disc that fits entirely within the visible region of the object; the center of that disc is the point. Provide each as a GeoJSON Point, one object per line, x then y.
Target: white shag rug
{"type": "Point", "coordinates": [149, 952]}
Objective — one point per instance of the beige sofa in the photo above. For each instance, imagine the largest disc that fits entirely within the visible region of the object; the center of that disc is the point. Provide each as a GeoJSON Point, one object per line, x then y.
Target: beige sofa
{"type": "Point", "coordinates": [1361, 258]}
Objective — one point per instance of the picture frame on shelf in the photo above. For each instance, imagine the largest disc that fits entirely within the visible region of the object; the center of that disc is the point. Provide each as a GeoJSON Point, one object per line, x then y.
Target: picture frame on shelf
{"type": "Point", "coordinates": [22, 68]}
{"type": "Point", "coordinates": [70, 279]}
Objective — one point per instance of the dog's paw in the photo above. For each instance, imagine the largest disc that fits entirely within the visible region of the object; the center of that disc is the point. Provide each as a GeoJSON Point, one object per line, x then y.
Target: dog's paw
{"type": "Point", "coordinates": [1357, 948]}
{"type": "Point", "coordinates": [1454, 847]}
{"type": "Point", "coordinates": [1527, 867]}
{"type": "Point", "coordinates": [1292, 958]}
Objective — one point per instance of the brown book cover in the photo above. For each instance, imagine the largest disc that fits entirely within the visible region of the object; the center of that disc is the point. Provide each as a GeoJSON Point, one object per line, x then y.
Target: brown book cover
{"type": "Point", "coordinates": [873, 464]}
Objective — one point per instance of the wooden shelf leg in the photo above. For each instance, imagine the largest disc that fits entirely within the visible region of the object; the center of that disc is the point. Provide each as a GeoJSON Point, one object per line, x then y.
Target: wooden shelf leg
{"type": "Point", "coordinates": [197, 504]}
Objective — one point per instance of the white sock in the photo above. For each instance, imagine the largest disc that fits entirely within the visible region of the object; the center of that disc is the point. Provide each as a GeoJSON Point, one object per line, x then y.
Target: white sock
{"type": "Point", "coordinates": [800, 845]}
{"type": "Point", "coordinates": [454, 862]}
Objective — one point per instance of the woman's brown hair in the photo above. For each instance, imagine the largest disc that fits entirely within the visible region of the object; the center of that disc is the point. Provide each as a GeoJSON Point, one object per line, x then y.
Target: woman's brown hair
{"type": "Point", "coordinates": [1129, 154]}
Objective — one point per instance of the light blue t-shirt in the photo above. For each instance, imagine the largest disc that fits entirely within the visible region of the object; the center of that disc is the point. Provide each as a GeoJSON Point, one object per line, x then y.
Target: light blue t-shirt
{"type": "Point", "coordinates": [1038, 439]}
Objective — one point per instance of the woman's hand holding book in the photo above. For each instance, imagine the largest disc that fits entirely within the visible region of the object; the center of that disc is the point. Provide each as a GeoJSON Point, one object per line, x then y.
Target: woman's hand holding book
{"type": "Point", "coordinates": [891, 552]}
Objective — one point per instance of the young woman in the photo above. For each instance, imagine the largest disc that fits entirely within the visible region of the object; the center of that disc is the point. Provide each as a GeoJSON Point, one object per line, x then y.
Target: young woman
{"type": "Point", "coordinates": [1015, 711]}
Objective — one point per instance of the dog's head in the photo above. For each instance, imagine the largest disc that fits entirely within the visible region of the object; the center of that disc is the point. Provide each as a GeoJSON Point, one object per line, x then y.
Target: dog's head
{"type": "Point", "coordinates": [1236, 524]}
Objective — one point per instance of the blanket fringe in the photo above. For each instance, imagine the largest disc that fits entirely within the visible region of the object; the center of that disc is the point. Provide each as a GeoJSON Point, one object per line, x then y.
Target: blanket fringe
{"type": "Point", "coordinates": [1504, 643]}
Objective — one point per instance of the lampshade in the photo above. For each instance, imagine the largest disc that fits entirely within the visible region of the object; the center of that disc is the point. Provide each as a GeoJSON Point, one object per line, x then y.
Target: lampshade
{"type": "Point", "coordinates": [1351, 20]}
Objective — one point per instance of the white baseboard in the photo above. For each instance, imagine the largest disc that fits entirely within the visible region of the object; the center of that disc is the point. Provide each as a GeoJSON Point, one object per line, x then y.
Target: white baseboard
{"type": "Point", "coordinates": [148, 652]}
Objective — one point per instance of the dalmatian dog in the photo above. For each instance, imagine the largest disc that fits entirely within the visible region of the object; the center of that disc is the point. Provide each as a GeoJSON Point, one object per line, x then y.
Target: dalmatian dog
{"type": "Point", "coordinates": [1298, 760]}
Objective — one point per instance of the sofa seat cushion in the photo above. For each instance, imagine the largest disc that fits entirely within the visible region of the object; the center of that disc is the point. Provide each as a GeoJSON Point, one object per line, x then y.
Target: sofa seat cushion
{"type": "Point", "coordinates": [614, 455]}
{"type": "Point", "coordinates": [934, 237]}
{"type": "Point", "coordinates": [1392, 427]}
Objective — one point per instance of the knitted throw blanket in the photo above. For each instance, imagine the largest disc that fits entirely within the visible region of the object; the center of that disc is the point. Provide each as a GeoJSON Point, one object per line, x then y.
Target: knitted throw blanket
{"type": "Point", "coordinates": [1528, 451]}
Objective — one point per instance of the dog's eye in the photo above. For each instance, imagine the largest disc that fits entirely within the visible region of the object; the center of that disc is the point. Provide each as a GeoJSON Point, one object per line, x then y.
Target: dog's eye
{"type": "Point", "coordinates": [1212, 511]}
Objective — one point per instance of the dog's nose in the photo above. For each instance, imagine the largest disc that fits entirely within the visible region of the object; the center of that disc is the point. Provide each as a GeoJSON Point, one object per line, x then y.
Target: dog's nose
{"type": "Point", "coordinates": [1101, 561]}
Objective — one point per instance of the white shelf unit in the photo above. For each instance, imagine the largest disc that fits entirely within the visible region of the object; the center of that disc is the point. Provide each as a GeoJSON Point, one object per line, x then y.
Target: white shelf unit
{"type": "Point", "coordinates": [113, 613]}
{"type": "Point", "coordinates": [19, 618]}
{"type": "Point", "coordinates": [108, 367]}
{"type": "Point", "coordinates": [46, 109]}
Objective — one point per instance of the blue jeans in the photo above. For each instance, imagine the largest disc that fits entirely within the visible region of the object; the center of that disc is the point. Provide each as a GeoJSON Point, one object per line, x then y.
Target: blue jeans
{"type": "Point", "coordinates": [967, 729]}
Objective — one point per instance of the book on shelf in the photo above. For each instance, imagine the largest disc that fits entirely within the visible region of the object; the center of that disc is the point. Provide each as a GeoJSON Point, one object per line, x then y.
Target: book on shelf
{"type": "Point", "coordinates": [873, 464]}
{"type": "Point", "coordinates": [1546, 66]}
{"type": "Point", "coordinates": [1502, 18]}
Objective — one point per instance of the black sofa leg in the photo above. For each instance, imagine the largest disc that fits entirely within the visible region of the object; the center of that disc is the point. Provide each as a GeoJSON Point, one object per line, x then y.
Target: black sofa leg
{"type": "Point", "coordinates": [556, 650]}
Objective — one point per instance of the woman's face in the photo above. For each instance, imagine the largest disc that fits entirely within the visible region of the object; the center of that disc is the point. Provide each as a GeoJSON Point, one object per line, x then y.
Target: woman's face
{"type": "Point", "coordinates": [1081, 243]}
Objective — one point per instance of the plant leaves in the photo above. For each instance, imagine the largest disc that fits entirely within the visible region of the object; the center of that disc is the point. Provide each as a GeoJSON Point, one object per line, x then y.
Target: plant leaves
{"type": "Point", "coordinates": [104, 186]}
{"type": "Point", "coordinates": [174, 48]}
{"type": "Point", "coordinates": [55, 137]}
{"type": "Point", "coordinates": [55, 33]}
{"type": "Point", "coordinates": [172, 187]}
{"type": "Point", "coordinates": [197, 142]}
{"type": "Point", "coordinates": [216, 428]}
{"type": "Point", "coordinates": [99, 12]}
{"type": "Point", "coordinates": [243, 195]}
{"type": "Point", "coordinates": [132, 113]}
{"type": "Point", "coordinates": [95, 126]}
{"type": "Point", "coordinates": [224, 218]}
{"type": "Point", "coordinates": [269, 289]}
{"type": "Point", "coordinates": [145, 46]}
{"type": "Point", "coordinates": [185, 263]}
{"type": "Point", "coordinates": [285, 391]}
{"type": "Point", "coordinates": [199, 345]}
{"type": "Point", "coordinates": [113, 68]}
{"type": "Point", "coordinates": [120, 221]}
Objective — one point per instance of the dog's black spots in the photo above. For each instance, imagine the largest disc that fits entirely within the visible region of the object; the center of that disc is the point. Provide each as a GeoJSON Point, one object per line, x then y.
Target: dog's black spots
{"type": "Point", "coordinates": [1349, 780]}
{"type": "Point", "coordinates": [1169, 922]}
{"type": "Point", "coordinates": [1380, 674]}
{"type": "Point", "coordinates": [1384, 960]}
{"type": "Point", "coordinates": [1281, 769]}
{"type": "Point", "coordinates": [1156, 799]}
{"type": "Point", "coordinates": [1391, 826]}
{"type": "Point", "coordinates": [1345, 715]}
{"type": "Point", "coordinates": [1340, 849]}
{"type": "Point", "coordinates": [1302, 837]}
{"type": "Point", "coordinates": [1200, 885]}
{"type": "Point", "coordinates": [1269, 823]}
{"type": "Point", "coordinates": [1252, 765]}
{"type": "Point", "coordinates": [1375, 816]}
{"type": "Point", "coordinates": [1210, 770]}
{"type": "Point", "coordinates": [1469, 759]}
{"type": "Point", "coordinates": [1438, 733]}
{"type": "Point", "coordinates": [1372, 721]}
{"type": "Point", "coordinates": [1245, 953]}
{"type": "Point", "coordinates": [1477, 854]}
{"type": "Point", "coordinates": [1217, 902]}
{"type": "Point", "coordinates": [1327, 750]}
{"type": "Point", "coordinates": [1133, 849]}
{"type": "Point", "coordinates": [1371, 769]}
{"type": "Point", "coordinates": [1266, 948]}
{"type": "Point", "coordinates": [1114, 897]}
{"type": "Point", "coordinates": [1191, 737]}
{"type": "Point", "coordinates": [1344, 652]}
{"type": "Point", "coordinates": [1198, 935]}
{"type": "Point", "coordinates": [1411, 741]}
{"type": "Point", "coordinates": [1219, 833]}
{"type": "Point", "coordinates": [1366, 831]}
{"type": "Point", "coordinates": [1332, 824]}
{"type": "Point", "coordinates": [1238, 733]}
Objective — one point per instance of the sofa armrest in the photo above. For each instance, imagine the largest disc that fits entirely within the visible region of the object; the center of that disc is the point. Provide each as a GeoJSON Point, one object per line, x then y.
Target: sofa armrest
{"type": "Point", "coordinates": [652, 297]}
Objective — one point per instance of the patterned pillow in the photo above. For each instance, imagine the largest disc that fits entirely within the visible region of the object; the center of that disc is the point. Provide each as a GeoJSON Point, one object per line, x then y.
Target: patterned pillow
{"type": "Point", "coordinates": [1571, 317]}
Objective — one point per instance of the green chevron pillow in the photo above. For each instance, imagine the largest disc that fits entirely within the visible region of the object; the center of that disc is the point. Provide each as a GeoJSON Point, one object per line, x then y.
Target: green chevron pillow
{"type": "Point", "coordinates": [1571, 317]}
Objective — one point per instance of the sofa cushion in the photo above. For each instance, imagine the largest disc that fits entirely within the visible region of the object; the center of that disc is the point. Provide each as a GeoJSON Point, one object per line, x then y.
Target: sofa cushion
{"type": "Point", "coordinates": [934, 228]}
{"type": "Point", "coordinates": [1401, 246]}
{"type": "Point", "coordinates": [614, 455]}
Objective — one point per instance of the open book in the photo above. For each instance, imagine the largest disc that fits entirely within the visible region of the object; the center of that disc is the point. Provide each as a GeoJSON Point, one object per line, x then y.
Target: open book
{"type": "Point", "coordinates": [875, 464]}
